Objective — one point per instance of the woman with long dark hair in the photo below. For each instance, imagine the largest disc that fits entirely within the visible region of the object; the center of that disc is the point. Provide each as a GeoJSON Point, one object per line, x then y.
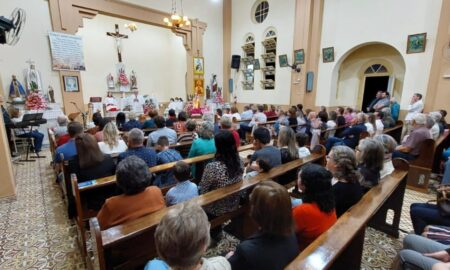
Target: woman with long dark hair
{"type": "Point", "coordinates": [120, 120]}
{"type": "Point", "coordinates": [274, 245]}
{"type": "Point", "coordinates": [226, 169]}
{"type": "Point", "coordinates": [317, 212]}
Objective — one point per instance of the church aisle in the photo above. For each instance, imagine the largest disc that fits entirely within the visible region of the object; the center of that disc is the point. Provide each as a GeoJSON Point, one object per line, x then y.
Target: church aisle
{"type": "Point", "coordinates": [34, 230]}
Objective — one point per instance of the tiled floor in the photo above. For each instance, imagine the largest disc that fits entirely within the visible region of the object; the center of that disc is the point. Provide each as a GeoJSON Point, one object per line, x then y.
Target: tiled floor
{"type": "Point", "coordinates": [36, 234]}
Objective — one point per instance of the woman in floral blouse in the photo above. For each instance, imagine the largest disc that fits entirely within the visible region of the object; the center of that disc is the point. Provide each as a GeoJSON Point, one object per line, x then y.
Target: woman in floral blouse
{"type": "Point", "coordinates": [227, 169]}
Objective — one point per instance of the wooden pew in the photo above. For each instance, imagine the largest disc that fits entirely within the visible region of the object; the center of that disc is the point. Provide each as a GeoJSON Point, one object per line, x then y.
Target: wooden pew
{"type": "Point", "coordinates": [131, 245]}
{"type": "Point", "coordinates": [105, 187]}
{"type": "Point", "coordinates": [395, 132]}
{"type": "Point", "coordinates": [341, 246]}
{"type": "Point", "coordinates": [421, 167]}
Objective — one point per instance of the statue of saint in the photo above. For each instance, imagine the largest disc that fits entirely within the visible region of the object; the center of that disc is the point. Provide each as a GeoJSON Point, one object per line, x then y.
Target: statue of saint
{"type": "Point", "coordinates": [33, 78]}
{"type": "Point", "coordinates": [133, 80]}
{"type": "Point", "coordinates": [16, 90]}
{"type": "Point", "coordinates": [199, 87]}
{"type": "Point", "coordinates": [110, 81]}
{"type": "Point", "coordinates": [51, 94]}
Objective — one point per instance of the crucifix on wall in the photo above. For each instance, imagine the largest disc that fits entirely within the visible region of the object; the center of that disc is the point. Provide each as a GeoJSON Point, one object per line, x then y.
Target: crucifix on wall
{"type": "Point", "coordinates": [118, 38]}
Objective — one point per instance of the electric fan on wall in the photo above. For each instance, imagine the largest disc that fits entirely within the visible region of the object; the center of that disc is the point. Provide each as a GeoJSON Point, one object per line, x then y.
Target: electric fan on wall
{"type": "Point", "coordinates": [12, 28]}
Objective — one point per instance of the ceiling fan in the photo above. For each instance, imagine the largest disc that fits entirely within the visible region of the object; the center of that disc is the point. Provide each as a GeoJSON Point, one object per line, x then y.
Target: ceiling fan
{"type": "Point", "coordinates": [12, 28]}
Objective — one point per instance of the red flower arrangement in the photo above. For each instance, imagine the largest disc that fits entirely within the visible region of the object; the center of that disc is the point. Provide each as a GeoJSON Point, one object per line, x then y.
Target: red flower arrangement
{"type": "Point", "coordinates": [35, 101]}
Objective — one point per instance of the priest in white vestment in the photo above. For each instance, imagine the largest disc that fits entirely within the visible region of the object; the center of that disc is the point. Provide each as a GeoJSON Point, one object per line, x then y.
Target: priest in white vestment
{"type": "Point", "coordinates": [136, 102]}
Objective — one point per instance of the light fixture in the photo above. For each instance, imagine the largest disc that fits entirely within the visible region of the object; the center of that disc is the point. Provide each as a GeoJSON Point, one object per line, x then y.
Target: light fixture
{"type": "Point", "coordinates": [175, 19]}
{"type": "Point", "coordinates": [131, 26]}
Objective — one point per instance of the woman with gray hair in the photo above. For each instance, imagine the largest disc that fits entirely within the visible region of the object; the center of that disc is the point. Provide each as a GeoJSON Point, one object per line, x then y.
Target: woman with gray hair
{"type": "Point", "coordinates": [341, 162]}
{"type": "Point", "coordinates": [181, 240]}
{"type": "Point", "coordinates": [389, 145]}
{"type": "Point", "coordinates": [370, 156]}
{"type": "Point", "coordinates": [204, 144]}
{"type": "Point", "coordinates": [139, 199]}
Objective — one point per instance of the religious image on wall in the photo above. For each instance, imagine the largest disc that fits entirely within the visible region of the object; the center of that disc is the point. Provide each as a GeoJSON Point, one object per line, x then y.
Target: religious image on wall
{"type": "Point", "coordinates": [199, 87]}
{"type": "Point", "coordinates": [67, 51]}
{"type": "Point", "coordinates": [199, 66]}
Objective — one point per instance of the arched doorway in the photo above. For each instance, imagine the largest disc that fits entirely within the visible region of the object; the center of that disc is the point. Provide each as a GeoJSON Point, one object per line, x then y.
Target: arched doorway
{"type": "Point", "coordinates": [366, 69]}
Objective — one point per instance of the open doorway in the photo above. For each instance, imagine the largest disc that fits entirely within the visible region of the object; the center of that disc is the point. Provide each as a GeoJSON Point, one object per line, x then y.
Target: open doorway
{"type": "Point", "coordinates": [371, 86]}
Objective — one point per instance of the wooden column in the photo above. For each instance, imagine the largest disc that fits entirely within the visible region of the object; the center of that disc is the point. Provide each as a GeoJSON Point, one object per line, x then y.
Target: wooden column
{"type": "Point", "coordinates": [227, 9]}
{"type": "Point", "coordinates": [7, 181]}
{"type": "Point", "coordinates": [307, 36]}
{"type": "Point", "coordinates": [438, 94]}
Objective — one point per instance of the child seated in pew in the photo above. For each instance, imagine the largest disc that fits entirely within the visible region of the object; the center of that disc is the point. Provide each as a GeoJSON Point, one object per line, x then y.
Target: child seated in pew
{"type": "Point", "coordinates": [185, 189]}
{"type": "Point", "coordinates": [302, 139]}
{"type": "Point", "coordinates": [165, 155]}
{"type": "Point", "coordinates": [181, 240]}
{"type": "Point", "coordinates": [256, 167]}
{"type": "Point", "coordinates": [274, 245]}
{"type": "Point", "coordinates": [139, 199]}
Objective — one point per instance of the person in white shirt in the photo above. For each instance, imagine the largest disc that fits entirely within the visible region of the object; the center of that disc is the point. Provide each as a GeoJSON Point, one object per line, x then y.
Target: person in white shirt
{"type": "Point", "coordinates": [379, 123]}
{"type": "Point", "coordinates": [302, 140]}
{"type": "Point", "coordinates": [136, 102]}
{"type": "Point", "coordinates": [371, 124]}
{"type": "Point", "coordinates": [331, 123]}
{"type": "Point", "coordinates": [111, 143]}
{"type": "Point", "coordinates": [258, 118]}
{"type": "Point", "coordinates": [435, 131]}
{"type": "Point", "coordinates": [415, 107]}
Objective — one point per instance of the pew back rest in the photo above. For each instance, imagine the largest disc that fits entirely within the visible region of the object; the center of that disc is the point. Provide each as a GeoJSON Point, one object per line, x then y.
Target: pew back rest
{"type": "Point", "coordinates": [117, 245]}
{"type": "Point", "coordinates": [325, 250]}
{"type": "Point", "coordinates": [426, 156]}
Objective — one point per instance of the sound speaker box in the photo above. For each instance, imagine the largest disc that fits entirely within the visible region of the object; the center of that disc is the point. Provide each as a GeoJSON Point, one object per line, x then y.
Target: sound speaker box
{"type": "Point", "coordinates": [235, 61]}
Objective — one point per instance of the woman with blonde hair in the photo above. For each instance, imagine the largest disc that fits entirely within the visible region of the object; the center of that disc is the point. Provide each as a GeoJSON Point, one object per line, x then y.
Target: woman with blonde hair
{"type": "Point", "coordinates": [111, 143]}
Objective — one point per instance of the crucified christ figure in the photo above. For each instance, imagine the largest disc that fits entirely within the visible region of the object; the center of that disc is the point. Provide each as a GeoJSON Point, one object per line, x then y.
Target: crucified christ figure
{"type": "Point", "coordinates": [118, 38]}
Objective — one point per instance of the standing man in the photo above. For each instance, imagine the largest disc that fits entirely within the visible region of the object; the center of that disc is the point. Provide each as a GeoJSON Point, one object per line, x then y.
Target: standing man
{"type": "Point", "coordinates": [415, 107]}
{"type": "Point", "coordinates": [374, 101]}
{"type": "Point", "coordinates": [395, 109]}
{"type": "Point", "coordinates": [382, 103]}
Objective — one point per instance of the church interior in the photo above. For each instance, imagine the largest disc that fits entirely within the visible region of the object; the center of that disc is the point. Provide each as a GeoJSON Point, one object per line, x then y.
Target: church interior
{"type": "Point", "coordinates": [224, 134]}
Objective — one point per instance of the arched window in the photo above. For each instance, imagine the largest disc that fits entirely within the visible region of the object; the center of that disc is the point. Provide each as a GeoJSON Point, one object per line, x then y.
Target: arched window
{"type": "Point", "coordinates": [248, 61]}
{"type": "Point", "coordinates": [376, 68]}
{"type": "Point", "coordinates": [269, 59]}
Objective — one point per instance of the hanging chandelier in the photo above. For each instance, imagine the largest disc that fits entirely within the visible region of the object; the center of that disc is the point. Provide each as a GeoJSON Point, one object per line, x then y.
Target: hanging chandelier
{"type": "Point", "coordinates": [177, 20]}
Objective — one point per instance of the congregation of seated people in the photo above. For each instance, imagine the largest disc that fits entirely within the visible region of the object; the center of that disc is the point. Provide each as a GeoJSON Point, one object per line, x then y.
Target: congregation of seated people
{"type": "Point", "coordinates": [354, 165]}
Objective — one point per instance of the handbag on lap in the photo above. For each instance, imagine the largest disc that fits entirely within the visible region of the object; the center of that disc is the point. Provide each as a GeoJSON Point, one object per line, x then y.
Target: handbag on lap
{"type": "Point", "coordinates": [443, 200]}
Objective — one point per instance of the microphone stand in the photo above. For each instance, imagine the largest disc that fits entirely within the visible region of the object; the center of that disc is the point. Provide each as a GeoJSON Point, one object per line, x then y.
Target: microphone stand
{"type": "Point", "coordinates": [83, 114]}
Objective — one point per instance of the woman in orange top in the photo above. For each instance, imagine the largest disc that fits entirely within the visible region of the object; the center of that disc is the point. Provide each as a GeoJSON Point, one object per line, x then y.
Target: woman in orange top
{"type": "Point", "coordinates": [317, 212]}
{"type": "Point", "coordinates": [139, 199]}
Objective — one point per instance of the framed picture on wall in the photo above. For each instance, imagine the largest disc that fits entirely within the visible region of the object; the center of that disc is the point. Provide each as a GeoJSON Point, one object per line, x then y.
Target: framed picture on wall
{"type": "Point", "coordinates": [71, 84]}
{"type": "Point", "coordinates": [416, 43]}
{"type": "Point", "coordinates": [199, 66]}
{"type": "Point", "coordinates": [283, 60]}
{"type": "Point", "coordinates": [256, 65]}
{"type": "Point", "coordinates": [299, 57]}
{"type": "Point", "coordinates": [328, 54]}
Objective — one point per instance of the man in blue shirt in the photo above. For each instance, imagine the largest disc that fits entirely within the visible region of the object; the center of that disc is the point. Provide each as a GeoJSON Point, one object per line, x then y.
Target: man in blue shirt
{"type": "Point", "coordinates": [350, 136]}
{"type": "Point", "coordinates": [136, 148]}
{"type": "Point", "coordinates": [395, 109]}
{"type": "Point", "coordinates": [165, 155]}
{"type": "Point", "coordinates": [185, 189]}
{"type": "Point", "coordinates": [68, 150]}
{"type": "Point", "coordinates": [263, 150]}
{"type": "Point", "coordinates": [161, 131]}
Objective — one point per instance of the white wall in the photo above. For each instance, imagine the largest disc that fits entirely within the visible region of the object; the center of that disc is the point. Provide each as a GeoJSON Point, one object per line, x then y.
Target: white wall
{"type": "Point", "coordinates": [349, 23]}
{"type": "Point", "coordinates": [281, 16]}
{"type": "Point", "coordinates": [210, 12]}
{"type": "Point", "coordinates": [157, 56]}
{"type": "Point", "coordinates": [33, 45]}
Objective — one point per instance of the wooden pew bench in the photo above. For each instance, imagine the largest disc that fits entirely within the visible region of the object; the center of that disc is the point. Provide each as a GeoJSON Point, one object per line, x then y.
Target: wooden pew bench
{"type": "Point", "coordinates": [342, 245]}
{"type": "Point", "coordinates": [103, 188]}
{"type": "Point", "coordinates": [421, 167]}
{"type": "Point", "coordinates": [395, 132]}
{"type": "Point", "coordinates": [131, 245]}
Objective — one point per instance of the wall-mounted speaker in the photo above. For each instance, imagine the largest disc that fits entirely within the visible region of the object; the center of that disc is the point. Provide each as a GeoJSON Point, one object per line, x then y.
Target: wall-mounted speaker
{"type": "Point", "coordinates": [235, 61]}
